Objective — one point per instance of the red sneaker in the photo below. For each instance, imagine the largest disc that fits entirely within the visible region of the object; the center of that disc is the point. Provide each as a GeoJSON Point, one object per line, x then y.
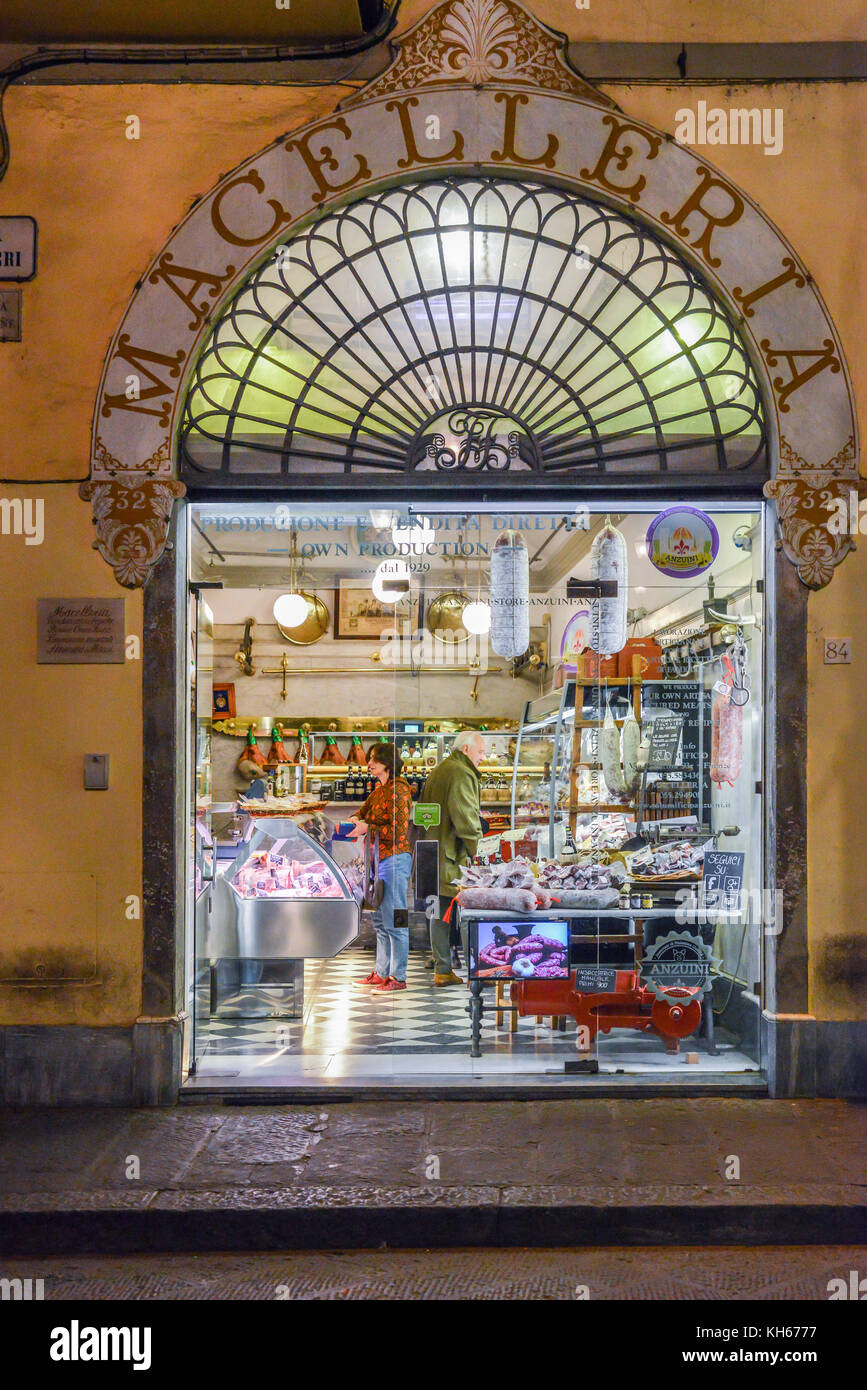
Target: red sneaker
{"type": "Point", "coordinates": [389, 986]}
{"type": "Point", "coordinates": [369, 981]}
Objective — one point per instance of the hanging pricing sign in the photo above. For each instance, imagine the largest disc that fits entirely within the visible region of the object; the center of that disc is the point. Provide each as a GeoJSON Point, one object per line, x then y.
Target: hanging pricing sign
{"type": "Point", "coordinates": [682, 541]}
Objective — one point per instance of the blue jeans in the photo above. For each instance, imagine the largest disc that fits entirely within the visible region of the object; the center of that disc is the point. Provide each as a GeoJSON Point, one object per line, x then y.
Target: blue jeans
{"type": "Point", "coordinates": [392, 943]}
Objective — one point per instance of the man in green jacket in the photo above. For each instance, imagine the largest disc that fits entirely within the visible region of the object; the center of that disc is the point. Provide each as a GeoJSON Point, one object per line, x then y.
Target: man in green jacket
{"type": "Point", "coordinates": [455, 787]}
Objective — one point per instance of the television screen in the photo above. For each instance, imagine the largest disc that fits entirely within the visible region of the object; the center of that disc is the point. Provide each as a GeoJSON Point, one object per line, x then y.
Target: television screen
{"type": "Point", "coordinates": [530, 950]}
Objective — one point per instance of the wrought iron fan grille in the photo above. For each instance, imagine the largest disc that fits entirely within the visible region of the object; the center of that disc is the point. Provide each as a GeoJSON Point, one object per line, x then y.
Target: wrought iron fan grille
{"type": "Point", "coordinates": [472, 325]}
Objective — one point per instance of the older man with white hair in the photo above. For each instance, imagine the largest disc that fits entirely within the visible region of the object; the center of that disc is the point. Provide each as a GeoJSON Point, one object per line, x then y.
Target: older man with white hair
{"type": "Point", "coordinates": [455, 787]}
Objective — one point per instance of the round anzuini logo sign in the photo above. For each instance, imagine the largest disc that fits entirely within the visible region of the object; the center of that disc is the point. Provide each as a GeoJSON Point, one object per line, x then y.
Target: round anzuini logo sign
{"type": "Point", "coordinates": [678, 962]}
{"type": "Point", "coordinates": [682, 541]}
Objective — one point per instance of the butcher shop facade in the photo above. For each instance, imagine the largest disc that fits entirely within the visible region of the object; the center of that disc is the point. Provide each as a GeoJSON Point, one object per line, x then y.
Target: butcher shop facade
{"type": "Point", "coordinates": [475, 446]}
{"type": "Point", "coordinates": [483, 393]}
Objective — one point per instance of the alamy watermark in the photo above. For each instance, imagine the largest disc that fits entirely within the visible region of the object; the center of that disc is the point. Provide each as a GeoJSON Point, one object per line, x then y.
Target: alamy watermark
{"type": "Point", "coordinates": [718, 125]}
{"type": "Point", "coordinates": [761, 906]}
{"type": "Point", "coordinates": [21, 1290]}
{"type": "Point", "coordinates": [403, 645]}
{"type": "Point", "coordinates": [23, 516]}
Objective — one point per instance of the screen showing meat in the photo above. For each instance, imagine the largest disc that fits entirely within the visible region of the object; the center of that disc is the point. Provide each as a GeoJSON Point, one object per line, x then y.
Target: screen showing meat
{"type": "Point", "coordinates": [519, 950]}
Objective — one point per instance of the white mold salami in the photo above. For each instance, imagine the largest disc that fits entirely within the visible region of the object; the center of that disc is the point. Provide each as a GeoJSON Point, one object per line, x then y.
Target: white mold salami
{"type": "Point", "coordinates": [630, 738]}
{"type": "Point", "coordinates": [609, 747]}
{"type": "Point", "coordinates": [510, 596]}
{"type": "Point", "coordinates": [608, 560]}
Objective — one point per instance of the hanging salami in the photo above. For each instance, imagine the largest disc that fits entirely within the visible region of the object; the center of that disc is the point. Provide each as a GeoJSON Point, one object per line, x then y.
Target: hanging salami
{"type": "Point", "coordinates": [609, 747]}
{"type": "Point", "coordinates": [510, 596]}
{"type": "Point", "coordinates": [630, 738]}
{"type": "Point", "coordinates": [608, 561]}
{"type": "Point", "coordinates": [727, 743]}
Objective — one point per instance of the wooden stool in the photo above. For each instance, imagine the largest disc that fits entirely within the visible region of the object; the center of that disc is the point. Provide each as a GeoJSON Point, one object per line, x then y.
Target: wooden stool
{"type": "Point", "coordinates": [500, 1001]}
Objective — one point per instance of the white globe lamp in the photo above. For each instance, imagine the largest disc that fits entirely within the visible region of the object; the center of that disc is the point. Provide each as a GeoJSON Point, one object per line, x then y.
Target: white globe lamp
{"type": "Point", "coordinates": [290, 610]}
{"type": "Point", "coordinates": [476, 618]}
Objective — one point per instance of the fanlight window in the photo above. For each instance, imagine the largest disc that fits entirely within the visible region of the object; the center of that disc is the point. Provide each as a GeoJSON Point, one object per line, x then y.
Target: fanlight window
{"type": "Point", "coordinates": [472, 325]}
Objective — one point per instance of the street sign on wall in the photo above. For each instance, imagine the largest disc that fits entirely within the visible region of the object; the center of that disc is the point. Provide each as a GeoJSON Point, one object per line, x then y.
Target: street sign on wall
{"type": "Point", "coordinates": [17, 248]}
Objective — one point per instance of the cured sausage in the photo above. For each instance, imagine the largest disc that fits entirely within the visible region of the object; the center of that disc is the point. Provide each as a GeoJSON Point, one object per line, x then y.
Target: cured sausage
{"type": "Point", "coordinates": [506, 899]}
{"type": "Point", "coordinates": [609, 748]}
{"type": "Point", "coordinates": [630, 738]}
{"type": "Point", "coordinates": [608, 560]}
{"type": "Point", "coordinates": [727, 744]}
{"type": "Point", "coordinates": [510, 596]}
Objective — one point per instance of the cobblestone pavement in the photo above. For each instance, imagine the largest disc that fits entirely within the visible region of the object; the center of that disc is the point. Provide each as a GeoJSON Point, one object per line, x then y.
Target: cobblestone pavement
{"type": "Point", "coordinates": [589, 1173]}
{"type": "Point", "coordinates": [725, 1273]}
{"type": "Point", "coordinates": [744, 1147]}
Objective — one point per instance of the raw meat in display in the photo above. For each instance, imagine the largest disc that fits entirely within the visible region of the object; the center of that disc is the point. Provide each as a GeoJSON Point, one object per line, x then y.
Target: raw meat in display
{"type": "Point", "coordinates": [269, 875]}
{"type": "Point", "coordinates": [727, 744]}
{"type": "Point", "coordinates": [608, 615]}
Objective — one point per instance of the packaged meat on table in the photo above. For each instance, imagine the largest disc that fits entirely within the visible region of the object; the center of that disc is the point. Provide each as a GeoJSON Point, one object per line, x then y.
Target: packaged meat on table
{"type": "Point", "coordinates": [678, 860]}
{"type": "Point", "coordinates": [522, 886]}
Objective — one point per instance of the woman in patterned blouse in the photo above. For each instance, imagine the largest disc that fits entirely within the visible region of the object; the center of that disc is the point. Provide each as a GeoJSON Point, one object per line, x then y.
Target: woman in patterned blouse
{"type": "Point", "coordinates": [386, 814]}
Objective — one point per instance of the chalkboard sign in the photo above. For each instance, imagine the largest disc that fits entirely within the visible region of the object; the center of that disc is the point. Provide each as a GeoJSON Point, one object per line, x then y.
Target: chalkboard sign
{"type": "Point", "coordinates": [595, 979]}
{"type": "Point", "coordinates": [722, 880]}
{"type": "Point", "coordinates": [664, 742]}
{"type": "Point", "coordinates": [689, 700]}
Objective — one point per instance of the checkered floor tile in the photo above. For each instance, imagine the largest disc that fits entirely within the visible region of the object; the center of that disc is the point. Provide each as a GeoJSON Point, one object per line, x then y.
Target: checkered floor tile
{"type": "Point", "coordinates": [338, 1018]}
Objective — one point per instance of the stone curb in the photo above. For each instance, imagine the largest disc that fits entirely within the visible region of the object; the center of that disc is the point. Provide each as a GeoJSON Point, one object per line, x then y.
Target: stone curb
{"type": "Point", "coordinates": [331, 1219]}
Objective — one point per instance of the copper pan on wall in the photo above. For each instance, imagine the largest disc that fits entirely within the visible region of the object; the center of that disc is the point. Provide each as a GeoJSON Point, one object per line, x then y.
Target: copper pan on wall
{"type": "Point", "coordinates": [314, 626]}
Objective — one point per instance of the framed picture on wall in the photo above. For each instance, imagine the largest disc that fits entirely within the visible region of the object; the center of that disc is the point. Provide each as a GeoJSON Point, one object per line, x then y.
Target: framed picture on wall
{"type": "Point", "coordinates": [224, 701]}
{"type": "Point", "coordinates": [359, 614]}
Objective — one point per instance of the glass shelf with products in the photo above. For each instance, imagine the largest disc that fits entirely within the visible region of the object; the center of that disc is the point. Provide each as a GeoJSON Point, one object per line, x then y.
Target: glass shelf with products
{"type": "Point", "coordinates": [570, 804]}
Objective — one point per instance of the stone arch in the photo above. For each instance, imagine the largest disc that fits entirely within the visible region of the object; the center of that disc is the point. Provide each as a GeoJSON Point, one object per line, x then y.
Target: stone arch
{"type": "Point", "coordinates": [477, 85]}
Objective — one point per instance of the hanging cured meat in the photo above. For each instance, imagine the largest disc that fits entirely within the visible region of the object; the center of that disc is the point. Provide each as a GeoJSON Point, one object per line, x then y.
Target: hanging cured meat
{"type": "Point", "coordinates": [331, 753]}
{"type": "Point", "coordinates": [727, 743]}
{"type": "Point", "coordinates": [356, 753]}
{"type": "Point", "coordinates": [277, 753]}
{"type": "Point", "coordinates": [252, 759]}
{"type": "Point", "coordinates": [608, 614]}
{"type": "Point", "coordinates": [630, 738]}
{"type": "Point", "coordinates": [609, 748]}
{"type": "Point", "coordinates": [510, 596]}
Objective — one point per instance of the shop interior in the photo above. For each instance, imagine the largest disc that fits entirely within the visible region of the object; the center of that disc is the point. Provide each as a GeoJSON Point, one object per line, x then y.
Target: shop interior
{"type": "Point", "coordinates": [617, 681]}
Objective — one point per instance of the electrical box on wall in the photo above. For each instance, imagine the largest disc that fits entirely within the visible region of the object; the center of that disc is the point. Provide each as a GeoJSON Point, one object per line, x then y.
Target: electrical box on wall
{"type": "Point", "coordinates": [96, 772]}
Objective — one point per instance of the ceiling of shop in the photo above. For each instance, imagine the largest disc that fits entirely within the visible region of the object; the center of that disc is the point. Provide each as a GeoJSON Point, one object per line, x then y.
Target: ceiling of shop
{"type": "Point", "coordinates": [196, 21]}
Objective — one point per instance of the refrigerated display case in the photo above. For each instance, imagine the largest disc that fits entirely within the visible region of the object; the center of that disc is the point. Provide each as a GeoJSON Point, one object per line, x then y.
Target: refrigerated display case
{"type": "Point", "coordinates": [282, 898]}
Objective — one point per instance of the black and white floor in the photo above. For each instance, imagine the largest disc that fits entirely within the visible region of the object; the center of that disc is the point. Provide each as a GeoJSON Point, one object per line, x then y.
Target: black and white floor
{"type": "Point", "coordinates": [345, 1035]}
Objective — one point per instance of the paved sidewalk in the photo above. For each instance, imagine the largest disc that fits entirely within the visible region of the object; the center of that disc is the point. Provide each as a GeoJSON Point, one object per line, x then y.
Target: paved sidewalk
{"type": "Point", "coordinates": [597, 1172]}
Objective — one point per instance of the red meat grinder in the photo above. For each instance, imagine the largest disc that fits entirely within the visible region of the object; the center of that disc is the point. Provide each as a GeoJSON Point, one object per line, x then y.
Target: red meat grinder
{"type": "Point", "coordinates": [631, 1005]}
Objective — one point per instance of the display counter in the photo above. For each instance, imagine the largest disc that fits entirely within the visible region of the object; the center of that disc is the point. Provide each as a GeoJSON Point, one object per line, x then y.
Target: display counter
{"type": "Point", "coordinates": [282, 897]}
